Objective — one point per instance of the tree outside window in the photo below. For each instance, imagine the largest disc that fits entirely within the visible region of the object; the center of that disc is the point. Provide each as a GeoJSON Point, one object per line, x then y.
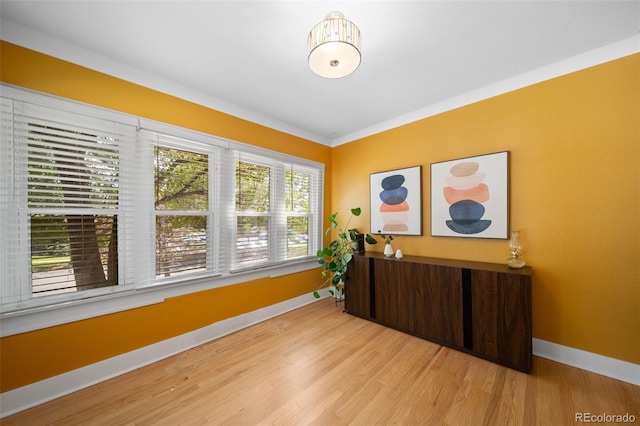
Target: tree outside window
{"type": "Point", "coordinates": [181, 192]}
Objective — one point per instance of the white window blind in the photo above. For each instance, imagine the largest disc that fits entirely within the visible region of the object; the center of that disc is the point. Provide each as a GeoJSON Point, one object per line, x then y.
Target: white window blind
{"type": "Point", "coordinates": [254, 224]}
{"type": "Point", "coordinates": [65, 197]}
{"type": "Point", "coordinates": [14, 256]}
{"type": "Point", "coordinates": [300, 203]}
{"type": "Point", "coordinates": [91, 206]}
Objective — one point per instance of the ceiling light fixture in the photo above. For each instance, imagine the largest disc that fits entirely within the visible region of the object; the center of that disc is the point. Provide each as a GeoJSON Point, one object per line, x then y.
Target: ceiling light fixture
{"type": "Point", "coordinates": [334, 47]}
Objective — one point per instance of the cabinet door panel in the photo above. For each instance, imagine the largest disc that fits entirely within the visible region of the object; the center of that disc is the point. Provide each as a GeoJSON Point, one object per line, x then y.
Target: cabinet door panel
{"type": "Point", "coordinates": [438, 303]}
{"type": "Point", "coordinates": [357, 287]}
{"type": "Point", "coordinates": [501, 315]}
{"type": "Point", "coordinates": [394, 293]}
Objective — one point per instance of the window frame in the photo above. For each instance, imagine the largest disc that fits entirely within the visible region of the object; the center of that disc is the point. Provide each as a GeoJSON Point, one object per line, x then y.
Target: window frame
{"type": "Point", "coordinates": [270, 214]}
{"type": "Point", "coordinates": [211, 264]}
{"type": "Point", "coordinates": [26, 315]}
{"type": "Point", "coordinates": [90, 154]}
{"type": "Point", "coordinates": [313, 240]}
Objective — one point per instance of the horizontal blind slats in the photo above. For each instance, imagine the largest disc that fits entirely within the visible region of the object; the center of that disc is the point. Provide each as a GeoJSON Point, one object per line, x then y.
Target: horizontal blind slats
{"type": "Point", "coordinates": [13, 251]}
{"type": "Point", "coordinates": [79, 167]}
{"type": "Point", "coordinates": [72, 175]}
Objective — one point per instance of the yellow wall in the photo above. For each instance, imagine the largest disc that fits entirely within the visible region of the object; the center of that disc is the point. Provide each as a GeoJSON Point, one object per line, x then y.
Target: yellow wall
{"type": "Point", "coordinates": [81, 343]}
{"type": "Point", "coordinates": [575, 195]}
{"type": "Point", "coordinates": [30, 357]}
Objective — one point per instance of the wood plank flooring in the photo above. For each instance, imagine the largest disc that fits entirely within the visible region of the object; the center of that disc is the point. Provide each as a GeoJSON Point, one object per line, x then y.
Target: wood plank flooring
{"type": "Point", "coordinates": [319, 366]}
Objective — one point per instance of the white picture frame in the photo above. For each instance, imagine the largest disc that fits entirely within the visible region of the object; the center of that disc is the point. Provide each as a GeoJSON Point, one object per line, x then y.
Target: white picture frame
{"type": "Point", "coordinates": [396, 201]}
{"type": "Point", "coordinates": [470, 197]}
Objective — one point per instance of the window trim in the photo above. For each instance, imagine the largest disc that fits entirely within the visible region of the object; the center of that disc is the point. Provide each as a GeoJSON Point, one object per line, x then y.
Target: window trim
{"type": "Point", "coordinates": [210, 213]}
{"type": "Point", "coordinates": [49, 311]}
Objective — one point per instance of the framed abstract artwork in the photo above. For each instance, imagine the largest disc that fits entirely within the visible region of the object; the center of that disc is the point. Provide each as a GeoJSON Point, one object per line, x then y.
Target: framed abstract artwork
{"type": "Point", "coordinates": [470, 197]}
{"type": "Point", "coordinates": [396, 201]}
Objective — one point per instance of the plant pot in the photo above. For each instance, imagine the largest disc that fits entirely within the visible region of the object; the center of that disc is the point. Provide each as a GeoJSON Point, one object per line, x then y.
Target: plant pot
{"type": "Point", "coordinates": [360, 243]}
{"type": "Point", "coordinates": [388, 250]}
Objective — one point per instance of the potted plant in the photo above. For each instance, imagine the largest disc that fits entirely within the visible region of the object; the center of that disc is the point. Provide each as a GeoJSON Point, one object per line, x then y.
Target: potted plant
{"type": "Point", "coordinates": [335, 257]}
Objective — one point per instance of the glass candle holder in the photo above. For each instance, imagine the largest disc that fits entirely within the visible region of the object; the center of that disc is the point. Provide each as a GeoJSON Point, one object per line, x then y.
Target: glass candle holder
{"type": "Point", "coordinates": [515, 246]}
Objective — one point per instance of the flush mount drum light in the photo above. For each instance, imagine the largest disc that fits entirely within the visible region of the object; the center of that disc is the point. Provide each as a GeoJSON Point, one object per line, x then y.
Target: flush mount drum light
{"type": "Point", "coordinates": [334, 47]}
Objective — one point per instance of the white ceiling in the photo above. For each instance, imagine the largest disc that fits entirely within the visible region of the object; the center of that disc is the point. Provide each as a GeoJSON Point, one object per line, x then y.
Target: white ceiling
{"type": "Point", "coordinates": [248, 58]}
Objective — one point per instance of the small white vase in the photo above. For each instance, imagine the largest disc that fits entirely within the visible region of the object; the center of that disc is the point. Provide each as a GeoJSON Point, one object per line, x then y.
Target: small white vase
{"type": "Point", "coordinates": [388, 250]}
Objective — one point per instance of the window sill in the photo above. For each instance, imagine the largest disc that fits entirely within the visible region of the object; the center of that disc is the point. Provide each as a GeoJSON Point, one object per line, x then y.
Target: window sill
{"type": "Point", "coordinates": [38, 317]}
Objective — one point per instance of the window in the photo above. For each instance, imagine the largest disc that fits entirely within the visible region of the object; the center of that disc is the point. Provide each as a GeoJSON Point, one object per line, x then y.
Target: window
{"type": "Point", "coordinates": [181, 183]}
{"type": "Point", "coordinates": [72, 181]}
{"type": "Point", "coordinates": [91, 205]}
{"type": "Point", "coordinates": [276, 205]}
{"type": "Point", "coordinates": [73, 252]}
{"type": "Point", "coordinates": [298, 198]}
{"type": "Point", "coordinates": [61, 202]}
{"type": "Point", "coordinates": [253, 213]}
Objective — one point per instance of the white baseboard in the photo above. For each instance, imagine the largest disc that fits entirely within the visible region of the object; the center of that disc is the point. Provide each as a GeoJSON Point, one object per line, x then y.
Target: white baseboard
{"type": "Point", "coordinates": [610, 367]}
{"type": "Point", "coordinates": [46, 390]}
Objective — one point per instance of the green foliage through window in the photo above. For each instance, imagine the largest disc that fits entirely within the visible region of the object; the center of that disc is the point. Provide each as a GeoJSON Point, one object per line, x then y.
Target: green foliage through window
{"type": "Point", "coordinates": [181, 180]}
{"type": "Point", "coordinates": [253, 190]}
{"type": "Point", "coordinates": [181, 185]}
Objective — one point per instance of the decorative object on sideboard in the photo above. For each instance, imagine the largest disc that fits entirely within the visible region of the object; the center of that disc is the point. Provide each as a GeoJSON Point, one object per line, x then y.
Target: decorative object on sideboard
{"type": "Point", "coordinates": [359, 242]}
{"type": "Point", "coordinates": [515, 246]}
{"type": "Point", "coordinates": [388, 249]}
{"type": "Point", "coordinates": [399, 254]}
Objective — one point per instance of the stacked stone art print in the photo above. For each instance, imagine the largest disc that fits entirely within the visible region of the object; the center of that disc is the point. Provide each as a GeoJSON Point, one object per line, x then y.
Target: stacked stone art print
{"type": "Point", "coordinates": [469, 197]}
{"type": "Point", "coordinates": [396, 202]}
{"type": "Point", "coordinates": [394, 210]}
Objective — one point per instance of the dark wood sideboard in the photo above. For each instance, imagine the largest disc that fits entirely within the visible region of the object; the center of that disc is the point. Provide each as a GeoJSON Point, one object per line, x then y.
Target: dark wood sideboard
{"type": "Point", "coordinates": [480, 308]}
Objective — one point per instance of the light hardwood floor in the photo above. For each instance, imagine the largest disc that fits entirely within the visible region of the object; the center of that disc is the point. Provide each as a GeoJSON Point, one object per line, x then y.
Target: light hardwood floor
{"type": "Point", "coordinates": [319, 366]}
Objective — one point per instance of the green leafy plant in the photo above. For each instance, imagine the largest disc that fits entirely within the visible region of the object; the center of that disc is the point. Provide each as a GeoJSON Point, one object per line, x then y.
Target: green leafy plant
{"type": "Point", "coordinates": [335, 257]}
{"type": "Point", "coordinates": [387, 238]}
